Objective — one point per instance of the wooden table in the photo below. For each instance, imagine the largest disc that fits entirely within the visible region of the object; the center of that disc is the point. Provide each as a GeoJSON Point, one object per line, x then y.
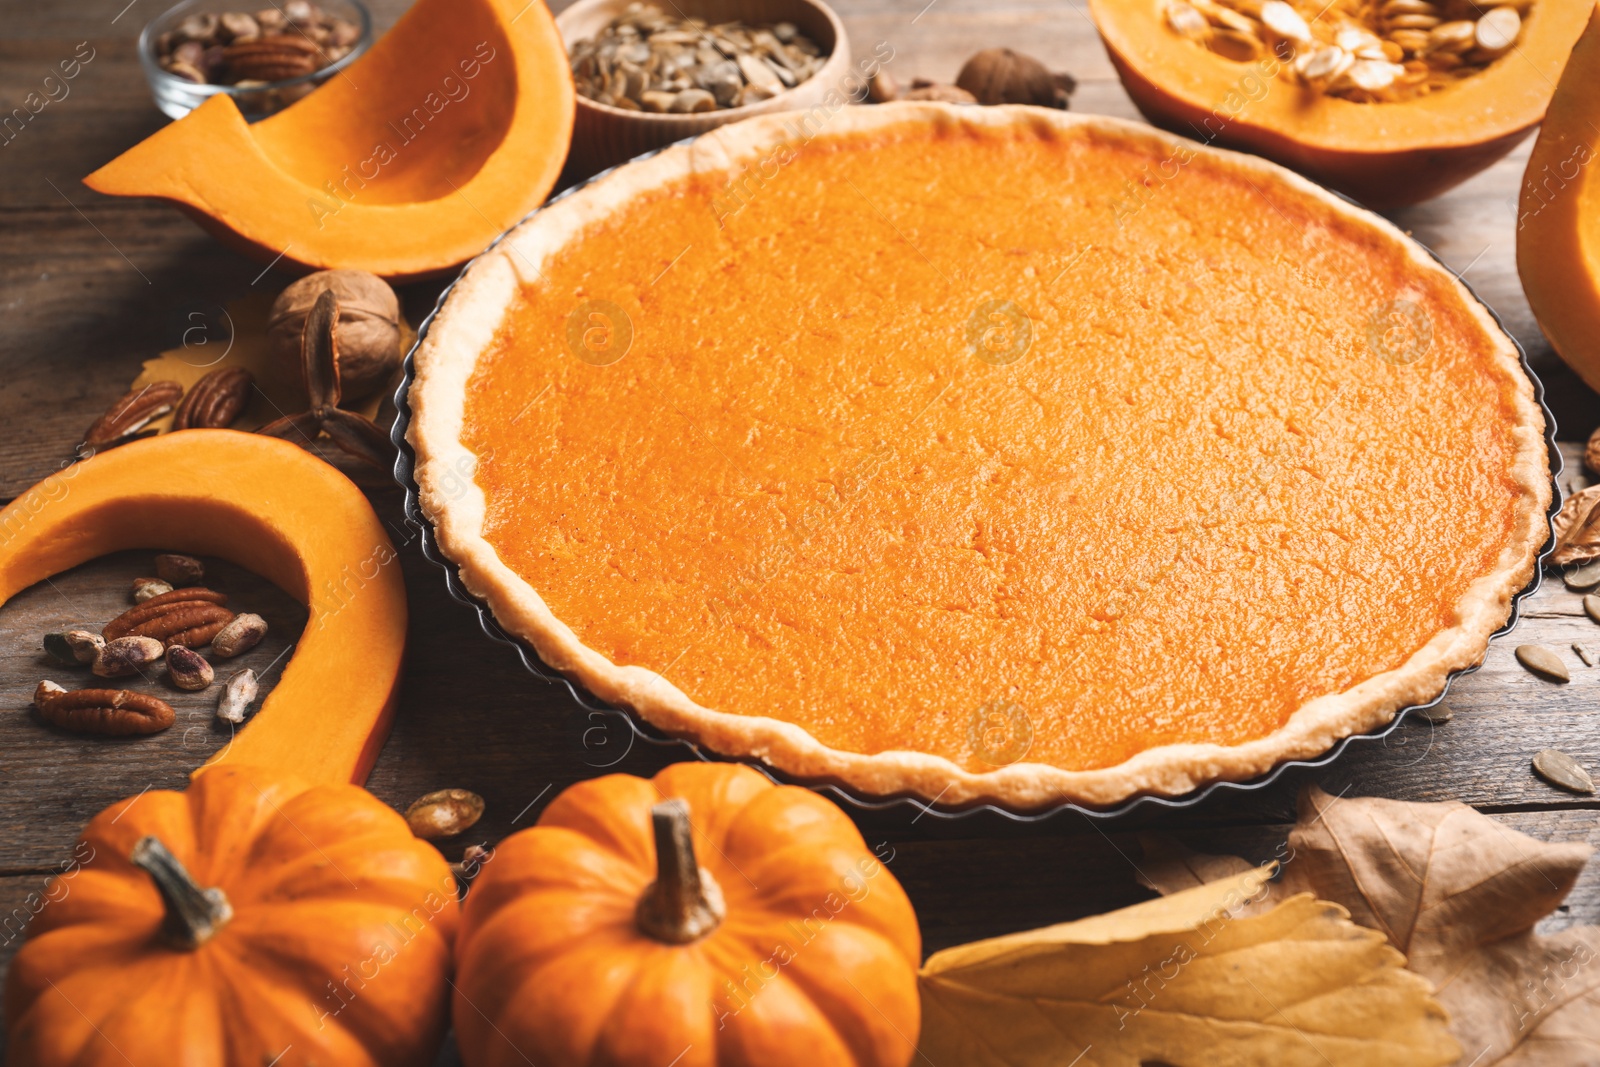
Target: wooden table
{"type": "Point", "coordinates": [93, 285]}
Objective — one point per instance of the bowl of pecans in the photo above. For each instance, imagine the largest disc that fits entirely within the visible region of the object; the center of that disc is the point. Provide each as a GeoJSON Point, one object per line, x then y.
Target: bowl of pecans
{"type": "Point", "coordinates": [264, 59]}
{"type": "Point", "coordinates": [649, 74]}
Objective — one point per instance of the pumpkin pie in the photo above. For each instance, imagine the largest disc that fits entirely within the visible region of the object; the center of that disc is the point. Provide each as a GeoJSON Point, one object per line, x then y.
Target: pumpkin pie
{"type": "Point", "coordinates": [981, 453]}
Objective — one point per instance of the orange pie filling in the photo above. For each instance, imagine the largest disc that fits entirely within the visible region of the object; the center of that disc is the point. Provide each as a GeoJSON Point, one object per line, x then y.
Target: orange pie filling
{"type": "Point", "coordinates": [998, 444]}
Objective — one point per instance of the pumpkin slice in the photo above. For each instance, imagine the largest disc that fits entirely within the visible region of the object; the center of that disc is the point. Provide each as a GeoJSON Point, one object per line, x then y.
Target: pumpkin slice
{"type": "Point", "coordinates": [1558, 220]}
{"type": "Point", "coordinates": [270, 506]}
{"type": "Point", "coordinates": [448, 131]}
{"type": "Point", "coordinates": [1385, 153]}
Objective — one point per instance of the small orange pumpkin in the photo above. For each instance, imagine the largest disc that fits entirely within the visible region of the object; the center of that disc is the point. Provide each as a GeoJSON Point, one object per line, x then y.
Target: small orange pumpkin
{"type": "Point", "coordinates": [249, 920]}
{"type": "Point", "coordinates": [597, 938]}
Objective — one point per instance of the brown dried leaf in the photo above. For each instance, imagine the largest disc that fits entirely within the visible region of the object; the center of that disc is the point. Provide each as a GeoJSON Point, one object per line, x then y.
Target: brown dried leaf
{"type": "Point", "coordinates": [1459, 894]}
{"type": "Point", "coordinates": [1576, 528]}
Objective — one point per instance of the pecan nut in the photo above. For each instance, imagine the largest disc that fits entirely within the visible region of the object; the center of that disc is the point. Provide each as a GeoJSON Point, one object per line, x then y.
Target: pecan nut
{"type": "Point", "coordinates": [131, 413]}
{"type": "Point", "coordinates": [190, 617]}
{"type": "Point", "coordinates": [272, 58]}
{"type": "Point", "coordinates": [214, 401]}
{"type": "Point", "coordinates": [113, 712]}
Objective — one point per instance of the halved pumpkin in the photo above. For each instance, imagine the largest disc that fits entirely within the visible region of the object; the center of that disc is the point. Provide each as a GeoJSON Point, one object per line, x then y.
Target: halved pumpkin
{"type": "Point", "coordinates": [1558, 219]}
{"type": "Point", "coordinates": [270, 506]}
{"type": "Point", "coordinates": [448, 131]}
{"type": "Point", "coordinates": [1384, 154]}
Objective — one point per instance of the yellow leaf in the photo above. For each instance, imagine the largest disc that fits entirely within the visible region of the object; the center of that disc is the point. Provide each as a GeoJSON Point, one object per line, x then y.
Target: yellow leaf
{"type": "Point", "coordinates": [1459, 894]}
{"type": "Point", "coordinates": [1195, 978]}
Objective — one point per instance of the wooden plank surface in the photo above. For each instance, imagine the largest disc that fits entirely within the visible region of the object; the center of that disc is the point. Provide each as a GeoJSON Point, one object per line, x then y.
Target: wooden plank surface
{"type": "Point", "coordinates": [91, 286]}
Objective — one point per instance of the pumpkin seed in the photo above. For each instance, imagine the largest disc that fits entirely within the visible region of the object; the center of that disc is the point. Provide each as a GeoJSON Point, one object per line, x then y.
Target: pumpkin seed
{"type": "Point", "coordinates": [1543, 662]}
{"type": "Point", "coordinates": [1284, 21]}
{"type": "Point", "coordinates": [1436, 713]}
{"type": "Point", "coordinates": [1394, 50]}
{"type": "Point", "coordinates": [1591, 607]}
{"type": "Point", "coordinates": [1583, 654]}
{"type": "Point", "coordinates": [644, 53]}
{"type": "Point", "coordinates": [1584, 577]}
{"type": "Point", "coordinates": [1561, 770]}
{"type": "Point", "coordinates": [1498, 29]}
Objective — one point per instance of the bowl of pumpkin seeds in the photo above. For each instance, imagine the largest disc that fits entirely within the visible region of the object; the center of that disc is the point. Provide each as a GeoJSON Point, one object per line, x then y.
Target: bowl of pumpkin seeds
{"type": "Point", "coordinates": [650, 73]}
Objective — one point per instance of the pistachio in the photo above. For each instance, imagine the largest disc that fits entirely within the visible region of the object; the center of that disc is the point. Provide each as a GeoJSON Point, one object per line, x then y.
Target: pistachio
{"type": "Point", "coordinates": [127, 655]}
{"type": "Point", "coordinates": [188, 669]}
{"type": "Point", "coordinates": [444, 813]}
{"type": "Point", "coordinates": [241, 635]}
{"type": "Point", "coordinates": [145, 588]}
{"type": "Point", "coordinates": [74, 646]}
{"type": "Point", "coordinates": [237, 695]}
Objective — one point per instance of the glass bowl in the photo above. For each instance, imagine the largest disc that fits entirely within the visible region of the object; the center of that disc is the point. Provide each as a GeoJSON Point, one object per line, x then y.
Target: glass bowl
{"type": "Point", "coordinates": [176, 96]}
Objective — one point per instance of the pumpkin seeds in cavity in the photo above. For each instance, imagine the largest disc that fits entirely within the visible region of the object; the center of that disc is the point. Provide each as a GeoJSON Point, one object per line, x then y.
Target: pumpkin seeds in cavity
{"type": "Point", "coordinates": [444, 813]}
{"type": "Point", "coordinates": [1561, 770]}
{"type": "Point", "coordinates": [1591, 607]}
{"type": "Point", "coordinates": [1583, 654]}
{"type": "Point", "coordinates": [1584, 577]}
{"type": "Point", "coordinates": [1542, 661]}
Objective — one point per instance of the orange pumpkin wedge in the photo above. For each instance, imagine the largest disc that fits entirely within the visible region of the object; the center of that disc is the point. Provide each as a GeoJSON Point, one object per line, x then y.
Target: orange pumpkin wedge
{"type": "Point", "coordinates": [270, 506]}
{"type": "Point", "coordinates": [1558, 219]}
{"type": "Point", "coordinates": [1385, 154]}
{"type": "Point", "coordinates": [449, 130]}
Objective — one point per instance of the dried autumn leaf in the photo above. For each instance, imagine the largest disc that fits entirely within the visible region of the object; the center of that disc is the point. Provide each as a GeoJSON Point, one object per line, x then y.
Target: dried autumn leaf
{"type": "Point", "coordinates": [1192, 974]}
{"type": "Point", "coordinates": [1459, 894]}
{"type": "Point", "coordinates": [1576, 528]}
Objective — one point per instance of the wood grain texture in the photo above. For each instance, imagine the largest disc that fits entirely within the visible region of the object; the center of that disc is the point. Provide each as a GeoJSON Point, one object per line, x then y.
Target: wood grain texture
{"type": "Point", "coordinates": [92, 286]}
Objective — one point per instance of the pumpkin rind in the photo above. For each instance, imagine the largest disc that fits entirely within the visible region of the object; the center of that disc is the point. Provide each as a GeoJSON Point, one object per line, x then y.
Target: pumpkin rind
{"type": "Point", "coordinates": [1385, 155]}
{"type": "Point", "coordinates": [270, 506]}
{"type": "Point", "coordinates": [338, 950]}
{"type": "Point", "coordinates": [813, 963]}
{"type": "Point", "coordinates": [1558, 218]}
{"type": "Point", "coordinates": [404, 165]}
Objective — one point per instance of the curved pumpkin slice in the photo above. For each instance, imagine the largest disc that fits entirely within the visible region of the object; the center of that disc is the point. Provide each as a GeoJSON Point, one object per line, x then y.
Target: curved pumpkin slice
{"type": "Point", "coordinates": [452, 127]}
{"type": "Point", "coordinates": [1558, 219]}
{"type": "Point", "coordinates": [1385, 154]}
{"type": "Point", "coordinates": [278, 510]}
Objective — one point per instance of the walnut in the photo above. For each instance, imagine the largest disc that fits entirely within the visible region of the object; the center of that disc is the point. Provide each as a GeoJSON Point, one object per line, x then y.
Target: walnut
{"type": "Point", "coordinates": [1001, 76]}
{"type": "Point", "coordinates": [368, 333]}
{"type": "Point", "coordinates": [944, 94]}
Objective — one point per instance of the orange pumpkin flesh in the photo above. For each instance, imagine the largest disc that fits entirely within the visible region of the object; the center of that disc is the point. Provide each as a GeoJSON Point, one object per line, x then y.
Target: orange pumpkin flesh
{"type": "Point", "coordinates": [1558, 221]}
{"type": "Point", "coordinates": [810, 956]}
{"type": "Point", "coordinates": [274, 508]}
{"type": "Point", "coordinates": [336, 951]}
{"type": "Point", "coordinates": [448, 131]}
{"type": "Point", "coordinates": [1385, 155]}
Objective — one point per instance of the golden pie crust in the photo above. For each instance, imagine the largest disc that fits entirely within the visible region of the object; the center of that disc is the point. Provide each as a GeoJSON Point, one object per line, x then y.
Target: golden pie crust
{"type": "Point", "coordinates": [981, 454]}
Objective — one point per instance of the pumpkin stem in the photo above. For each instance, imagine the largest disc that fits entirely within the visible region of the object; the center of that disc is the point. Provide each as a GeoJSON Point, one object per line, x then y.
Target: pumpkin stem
{"type": "Point", "coordinates": [194, 915]}
{"type": "Point", "coordinates": [684, 903]}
